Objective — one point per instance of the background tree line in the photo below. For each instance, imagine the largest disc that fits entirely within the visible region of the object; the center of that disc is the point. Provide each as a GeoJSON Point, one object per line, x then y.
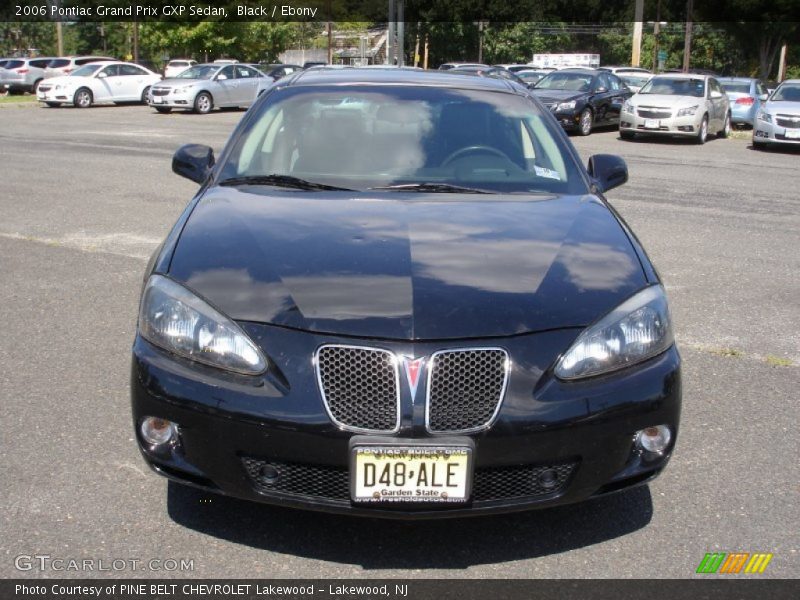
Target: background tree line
{"type": "Point", "coordinates": [746, 48]}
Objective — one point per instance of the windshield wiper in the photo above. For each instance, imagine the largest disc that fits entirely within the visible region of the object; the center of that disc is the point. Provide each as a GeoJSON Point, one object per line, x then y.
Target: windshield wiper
{"type": "Point", "coordinates": [286, 181]}
{"type": "Point", "coordinates": [434, 188]}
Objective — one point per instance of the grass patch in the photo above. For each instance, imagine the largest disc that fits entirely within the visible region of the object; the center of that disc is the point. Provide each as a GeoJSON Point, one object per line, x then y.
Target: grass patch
{"type": "Point", "coordinates": [742, 134]}
{"type": "Point", "coordinates": [17, 99]}
{"type": "Point", "coordinates": [728, 352]}
{"type": "Point", "coordinates": [777, 361]}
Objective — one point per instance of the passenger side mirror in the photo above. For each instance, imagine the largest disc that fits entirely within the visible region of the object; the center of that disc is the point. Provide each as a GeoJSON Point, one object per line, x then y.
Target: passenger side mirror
{"type": "Point", "coordinates": [221, 77]}
{"type": "Point", "coordinates": [102, 75]}
{"type": "Point", "coordinates": [715, 94]}
{"type": "Point", "coordinates": [763, 97]}
{"type": "Point", "coordinates": [608, 170]}
{"type": "Point", "coordinates": [193, 161]}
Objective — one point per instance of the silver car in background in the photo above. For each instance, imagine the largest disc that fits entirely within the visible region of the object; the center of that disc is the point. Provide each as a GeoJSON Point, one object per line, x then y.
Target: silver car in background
{"type": "Point", "coordinates": [202, 87]}
{"type": "Point", "coordinates": [681, 105]}
{"type": "Point", "coordinates": [19, 75]}
{"type": "Point", "coordinates": [64, 65]}
{"type": "Point", "coordinates": [778, 121]}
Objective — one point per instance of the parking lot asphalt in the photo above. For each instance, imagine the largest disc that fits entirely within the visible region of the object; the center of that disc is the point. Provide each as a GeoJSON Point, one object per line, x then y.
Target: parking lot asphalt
{"type": "Point", "coordinates": [88, 194]}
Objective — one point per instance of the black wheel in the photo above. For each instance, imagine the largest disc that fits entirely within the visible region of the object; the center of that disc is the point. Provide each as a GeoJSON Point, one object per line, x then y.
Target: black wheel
{"type": "Point", "coordinates": [702, 132]}
{"type": "Point", "coordinates": [164, 110]}
{"type": "Point", "coordinates": [726, 127]}
{"type": "Point", "coordinates": [145, 94]}
{"type": "Point", "coordinates": [626, 134]}
{"type": "Point", "coordinates": [83, 98]}
{"type": "Point", "coordinates": [53, 104]}
{"type": "Point", "coordinates": [203, 103]}
{"type": "Point", "coordinates": [35, 87]}
{"type": "Point", "coordinates": [585, 122]}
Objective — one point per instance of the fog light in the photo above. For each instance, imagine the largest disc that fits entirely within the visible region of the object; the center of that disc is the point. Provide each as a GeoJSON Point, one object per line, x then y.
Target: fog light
{"type": "Point", "coordinates": [654, 439]}
{"type": "Point", "coordinates": [157, 431]}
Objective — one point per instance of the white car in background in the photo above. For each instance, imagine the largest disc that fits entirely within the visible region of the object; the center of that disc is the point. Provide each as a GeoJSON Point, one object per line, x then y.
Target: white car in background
{"type": "Point", "coordinates": [680, 105]}
{"type": "Point", "coordinates": [177, 66]}
{"type": "Point", "coordinates": [778, 120]}
{"type": "Point", "coordinates": [99, 82]}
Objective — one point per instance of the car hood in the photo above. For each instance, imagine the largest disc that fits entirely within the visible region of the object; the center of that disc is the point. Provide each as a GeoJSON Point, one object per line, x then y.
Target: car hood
{"type": "Point", "coordinates": [66, 80]}
{"type": "Point", "coordinates": [178, 82]}
{"type": "Point", "coordinates": [665, 100]}
{"type": "Point", "coordinates": [557, 95]}
{"type": "Point", "coordinates": [782, 106]}
{"type": "Point", "coordinates": [406, 266]}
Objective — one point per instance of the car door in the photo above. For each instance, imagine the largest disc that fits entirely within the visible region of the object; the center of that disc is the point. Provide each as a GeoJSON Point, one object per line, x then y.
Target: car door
{"type": "Point", "coordinates": [718, 106]}
{"type": "Point", "coordinates": [107, 83]}
{"type": "Point", "coordinates": [618, 93]}
{"type": "Point", "coordinates": [601, 98]}
{"type": "Point", "coordinates": [247, 77]}
{"type": "Point", "coordinates": [225, 90]}
{"type": "Point", "coordinates": [135, 80]}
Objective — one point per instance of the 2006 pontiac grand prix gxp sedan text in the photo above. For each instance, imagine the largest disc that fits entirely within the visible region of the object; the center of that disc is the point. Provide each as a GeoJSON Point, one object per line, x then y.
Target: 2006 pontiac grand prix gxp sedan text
{"type": "Point", "coordinates": [399, 293]}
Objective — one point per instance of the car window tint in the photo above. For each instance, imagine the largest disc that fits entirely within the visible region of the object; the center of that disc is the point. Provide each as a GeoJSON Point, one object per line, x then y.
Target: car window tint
{"type": "Point", "coordinates": [111, 70]}
{"type": "Point", "coordinates": [245, 72]}
{"type": "Point", "coordinates": [40, 63]}
{"type": "Point", "coordinates": [131, 70]}
{"type": "Point", "coordinates": [615, 83]}
{"type": "Point", "coordinates": [14, 64]}
{"type": "Point", "coordinates": [57, 63]}
{"type": "Point", "coordinates": [229, 72]}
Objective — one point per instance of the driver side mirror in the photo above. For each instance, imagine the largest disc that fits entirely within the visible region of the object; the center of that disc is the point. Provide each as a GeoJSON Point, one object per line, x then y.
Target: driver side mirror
{"type": "Point", "coordinates": [221, 77]}
{"type": "Point", "coordinates": [193, 161]}
{"type": "Point", "coordinates": [600, 89]}
{"type": "Point", "coordinates": [102, 75]}
{"type": "Point", "coordinates": [715, 94]}
{"type": "Point", "coordinates": [608, 170]}
{"type": "Point", "coordinates": [763, 97]}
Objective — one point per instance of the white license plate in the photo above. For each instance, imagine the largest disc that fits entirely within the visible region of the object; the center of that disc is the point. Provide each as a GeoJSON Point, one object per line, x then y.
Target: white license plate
{"type": "Point", "coordinates": [651, 124]}
{"type": "Point", "coordinates": [159, 100]}
{"type": "Point", "coordinates": [411, 473]}
{"type": "Point", "coordinates": [793, 134]}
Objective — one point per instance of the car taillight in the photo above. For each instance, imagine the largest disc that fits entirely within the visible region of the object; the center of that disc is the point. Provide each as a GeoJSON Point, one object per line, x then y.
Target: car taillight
{"type": "Point", "coordinates": [22, 71]}
{"type": "Point", "coordinates": [67, 69]}
{"type": "Point", "coordinates": [747, 100]}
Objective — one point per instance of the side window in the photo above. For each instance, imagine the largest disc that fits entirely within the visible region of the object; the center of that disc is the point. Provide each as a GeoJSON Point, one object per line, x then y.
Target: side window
{"type": "Point", "coordinates": [111, 70]}
{"type": "Point", "coordinates": [83, 61]}
{"type": "Point", "coordinates": [130, 70]}
{"type": "Point", "coordinates": [228, 72]}
{"type": "Point", "coordinates": [615, 83]}
{"type": "Point", "coordinates": [245, 72]}
{"type": "Point", "coordinates": [602, 81]}
{"type": "Point", "coordinates": [715, 86]}
{"type": "Point", "coordinates": [39, 63]}
{"type": "Point", "coordinates": [761, 89]}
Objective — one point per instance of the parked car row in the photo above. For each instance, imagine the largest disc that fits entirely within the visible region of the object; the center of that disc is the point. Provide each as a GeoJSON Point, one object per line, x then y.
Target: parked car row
{"type": "Point", "coordinates": [19, 75]}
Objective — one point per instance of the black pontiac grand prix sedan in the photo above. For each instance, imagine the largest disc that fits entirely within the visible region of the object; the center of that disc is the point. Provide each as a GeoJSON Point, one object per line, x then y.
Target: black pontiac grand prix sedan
{"type": "Point", "coordinates": [399, 293]}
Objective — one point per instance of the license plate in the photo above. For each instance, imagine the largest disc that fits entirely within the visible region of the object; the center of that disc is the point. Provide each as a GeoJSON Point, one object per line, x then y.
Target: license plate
{"type": "Point", "coordinates": [399, 473]}
{"type": "Point", "coordinates": [651, 124]}
{"type": "Point", "coordinates": [157, 100]}
{"type": "Point", "coordinates": [793, 134]}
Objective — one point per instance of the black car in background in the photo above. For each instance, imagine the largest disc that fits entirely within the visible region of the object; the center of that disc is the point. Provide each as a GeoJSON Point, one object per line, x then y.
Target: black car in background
{"type": "Point", "coordinates": [582, 99]}
{"type": "Point", "coordinates": [276, 71]}
{"type": "Point", "coordinates": [399, 293]}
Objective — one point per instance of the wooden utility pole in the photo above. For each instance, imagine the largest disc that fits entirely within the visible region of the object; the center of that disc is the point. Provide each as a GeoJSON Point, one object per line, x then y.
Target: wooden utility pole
{"type": "Point", "coordinates": [656, 31]}
{"type": "Point", "coordinates": [416, 49]}
{"type": "Point", "coordinates": [136, 41]}
{"type": "Point", "coordinates": [687, 40]}
{"type": "Point", "coordinates": [425, 60]}
{"type": "Point", "coordinates": [60, 38]}
{"type": "Point", "coordinates": [401, 32]}
{"type": "Point", "coordinates": [636, 51]}
{"type": "Point", "coordinates": [330, 36]}
{"type": "Point", "coordinates": [782, 62]}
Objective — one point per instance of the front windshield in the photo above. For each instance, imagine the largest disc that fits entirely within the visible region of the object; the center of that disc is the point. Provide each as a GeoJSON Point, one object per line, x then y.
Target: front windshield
{"type": "Point", "coordinates": [85, 71]}
{"type": "Point", "coordinates": [199, 72]}
{"type": "Point", "coordinates": [788, 92]}
{"type": "Point", "coordinates": [673, 86]}
{"type": "Point", "coordinates": [362, 137]}
{"type": "Point", "coordinates": [564, 80]}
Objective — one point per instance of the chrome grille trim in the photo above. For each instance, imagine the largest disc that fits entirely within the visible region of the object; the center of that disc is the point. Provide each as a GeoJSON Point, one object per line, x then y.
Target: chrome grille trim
{"type": "Point", "coordinates": [500, 397]}
{"type": "Point", "coordinates": [325, 400]}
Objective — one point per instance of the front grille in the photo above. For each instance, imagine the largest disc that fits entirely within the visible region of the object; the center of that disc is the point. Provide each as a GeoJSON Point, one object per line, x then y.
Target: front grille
{"type": "Point", "coordinates": [44, 88]}
{"type": "Point", "coordinates": [465, 389]}
{"type": "Point", "coordinates": [787, 121]}
{"type": "Point", "coordinates": [654, 113]}
{"type": "Point", "coordinates": [159, 91]}
{"type": "Point", "coordinates": [360, 387]}
{"type": "Point", "coordinates": [332, 484]}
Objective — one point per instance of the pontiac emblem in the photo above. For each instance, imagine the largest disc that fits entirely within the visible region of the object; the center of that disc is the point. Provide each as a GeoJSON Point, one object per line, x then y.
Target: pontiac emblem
{"type": "Point", "coordinates": [413, 369]}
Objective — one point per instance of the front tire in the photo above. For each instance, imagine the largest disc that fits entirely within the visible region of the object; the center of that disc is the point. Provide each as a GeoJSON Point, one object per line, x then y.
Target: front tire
{"type": "Point", "coordinates": [83, 98]}
{"type": "Point", "coordinates": [585, 122]}
{"type": "Point", "coordinates": [35, 87]}
{"type": "Point", "coordinates": [702, 132]}
{"type": "Point", "coordinates": [203, 103]}
{"type": "Point", "coordinates": [53, 104]}
{"type": "Point", "coordinates": [626, 135]}
{"type": "Point", "coordinates": [726, 127]}
{"type": "Point", "coordinates": [145, 94]}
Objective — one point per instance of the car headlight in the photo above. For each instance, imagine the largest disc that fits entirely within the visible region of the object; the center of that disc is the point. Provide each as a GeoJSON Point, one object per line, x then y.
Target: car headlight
{"type": "Point", "coordinates": [764, 116]}
{"type": "Point", "coordinates": [567, 105]}
{"type": "Point", "coordinates": [182, 90]}
{"type": "Point", "coordinates": [636, 330]}
{"type": "Point", "coordinates": [689, 110]}
{"type": "Point", "coordinates": [173, 318]}
{"type": "Point", "coordinates": [627, 107]}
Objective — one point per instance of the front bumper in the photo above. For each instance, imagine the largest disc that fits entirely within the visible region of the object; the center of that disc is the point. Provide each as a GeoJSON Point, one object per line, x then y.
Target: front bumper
{"type": "Point", "coordinates": [49, 94]}
{"type": "Point", "coordinates": [764, 132]}
{"type": "Point", "coordinates": [687, 125]}
{"type": "Point", "coordinates": [15, 86]}
{"type": "Point", "coordinates": [231, 426]}
{"type": "Point", "coordinates": [173, 100]}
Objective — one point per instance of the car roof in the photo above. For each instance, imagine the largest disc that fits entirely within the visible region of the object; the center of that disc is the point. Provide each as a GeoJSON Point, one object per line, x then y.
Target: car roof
{"type": "Point", "coordinates": [579, 70]}
{"type": "Point", "coordinates": [397, 76]}
{"type": "Point", "coordinates": [741, 79]}
{"type": "Point", "coordinates": [684, 75]}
